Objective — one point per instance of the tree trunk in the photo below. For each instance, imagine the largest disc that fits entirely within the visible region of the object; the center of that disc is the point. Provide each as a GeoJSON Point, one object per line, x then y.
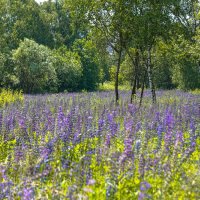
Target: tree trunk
{"type": "Point", "coordinates": [135, 63]}
{"type": "Point", "coordinates": [149, 67]}
{"type": "Point", "coordinates": [138, 82]}
{"type": "Point", "coordinates": [133, 92]}
{"type": "Point", "coordinates": [117, 76]}
{"type": "Point", "coordinates": [150, 76]}
{"type": "Point", "coordinates": [142, 91]}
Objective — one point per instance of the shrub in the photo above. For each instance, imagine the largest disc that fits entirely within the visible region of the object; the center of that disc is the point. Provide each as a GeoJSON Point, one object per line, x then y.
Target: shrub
{"type": "Point", "coordinates": [35, 67]}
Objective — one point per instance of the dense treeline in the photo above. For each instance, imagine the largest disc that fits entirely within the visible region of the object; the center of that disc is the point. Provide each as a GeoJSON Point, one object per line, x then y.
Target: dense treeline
{"type": "Point", "coordinates": [76, 45]}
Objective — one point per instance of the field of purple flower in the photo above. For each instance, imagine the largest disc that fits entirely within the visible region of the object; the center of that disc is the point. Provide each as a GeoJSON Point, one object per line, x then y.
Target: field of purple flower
{"type": "Point", "coordinates": [83, 146]}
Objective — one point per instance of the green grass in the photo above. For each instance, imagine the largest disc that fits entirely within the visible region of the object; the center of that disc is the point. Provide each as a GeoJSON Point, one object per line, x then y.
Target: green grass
{"type": "Point", "coordinates": [110, 86]}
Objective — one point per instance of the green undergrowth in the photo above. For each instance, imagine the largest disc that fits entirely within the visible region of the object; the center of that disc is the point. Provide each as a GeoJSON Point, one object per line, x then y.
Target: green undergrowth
{"type": "Point", "coordinates": [110, 86]}
{"type": "Point", "coordinates": [8, 96]}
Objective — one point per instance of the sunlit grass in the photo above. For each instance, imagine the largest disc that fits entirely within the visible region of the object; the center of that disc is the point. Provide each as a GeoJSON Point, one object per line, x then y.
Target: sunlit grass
{"type": "Point", "coordinates": [110, 86]}
{"type": "Point", "coordinates": [8, 96]}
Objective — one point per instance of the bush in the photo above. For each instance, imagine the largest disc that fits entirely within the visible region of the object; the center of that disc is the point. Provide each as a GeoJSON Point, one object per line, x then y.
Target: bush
{"type": "Point", "coordinates": [69, 70]}
{"type": "Point", "coordinates": [35, 67]}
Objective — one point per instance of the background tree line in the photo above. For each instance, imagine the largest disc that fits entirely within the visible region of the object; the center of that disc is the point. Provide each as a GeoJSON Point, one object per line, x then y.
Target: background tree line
{"type": "Point", "coordinates": [78, 44]}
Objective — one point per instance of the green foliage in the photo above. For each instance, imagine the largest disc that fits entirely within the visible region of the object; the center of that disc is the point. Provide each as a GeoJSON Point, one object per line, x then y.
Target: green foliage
{"type": "Point", "coordinates": [110, 86]}
{"type": "Point", "coordinates": [35, 67]}
{"type": "Point", "coordinates": [6, 149]}
{"type": "Point", "coordinates": [186, 72]}
{"type": "Point", "coordinates": [127, 70]}
{"type": "Point", "coordinates": [90, 68]}
{"type": "Point", "coordinates": [98, 31]}
{"type": "Point", "coordinates": [68, 69]}
{"type": "Point", "coordinates": [162, 63]}
{"type": "Point", "coordinates": [197, 91]}
{"type": "Point", "coordinates": [2, 67]}
{"type": "Point", "coordinates": [8, 78]}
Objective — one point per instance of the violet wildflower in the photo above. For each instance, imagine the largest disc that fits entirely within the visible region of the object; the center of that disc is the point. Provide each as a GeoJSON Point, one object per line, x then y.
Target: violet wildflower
{"type": "Point", "coordinates": [91, 182]}
{"type": "Point", "coordinates": [144, 186]}
{"type": "Point", "coordinates": [28, 194]}
{"type": "Point", "coordinates": [108, 138]}
{"type": "Point", "coordinates": [137, 145]}
{"type": "Point", "coordinates": [101, 124]}
{"type": "Point", "coordinates": [128, 125]}
{"type": "Point", "coordinates": [142, 165]}
{"type": "Point", "coordinates": [141, 196]}
{"type": "Point", "coordinates": [159, 133]}
{"type": "Point", "coordinates": [128, 147]}
{"type": "Point", "coordinates": [138, 127]}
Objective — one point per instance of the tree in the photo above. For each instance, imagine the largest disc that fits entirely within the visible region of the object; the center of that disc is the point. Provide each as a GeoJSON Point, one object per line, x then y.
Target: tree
{"type": "Point", "coordinates": [107, 18]}
{"type": "Point", "coordinates": [163, 63]}
{"type": "Point", "coordinates": [90, 67]}
{"type": "Point", "coordinates": [97, 35]}
{"type": "Point", "coordinates": [35, 67]}
{"type": "Point", "coordinates": [149, 21]}
{"type": "Point", "coordinates": [156, 23]}
{"type": "Point", "coordinates": [2, 68]}
{"type": "Point", "coordinates": [68, 69]}
{"type": "Point", "coordinates": [186, 66]}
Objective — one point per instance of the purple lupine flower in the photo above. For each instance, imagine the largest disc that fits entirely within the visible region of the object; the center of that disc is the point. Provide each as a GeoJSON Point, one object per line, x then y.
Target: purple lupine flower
{"type": "Point", "coordinates": [34, 122]}
{"type": "Point", "coordinates": [77, 138]}
{"type": "Point", "coordinates": [65, 163]}
{"type": "Point", "coordinates": [157, 117]}
{"type": "Point", "coordinates": [46, 151]}
{"type": "Point", "coordinates": [11, 122]}
{"type": "Point", "coordinates": [141, 196]}
{"type": "Point", "coordinates": [142, 165]}
{"type": "Point", "coordinates": [132, 109]}
{"type": "Point", "coordinates": [110, 118]}
{"type": "Point", "coordinates": [192, 132]}
{"type": "Point", "coordinates": [112, 125]}
{"type": "Point", "coordinates": [78, 127]}
{"type": "Point", "coordinates": [128, 125]}
{"type": "Point", "coordinates": [159, 133]}
{"type": "Point", "coordinates": [28, 194]}
{"type": "Point", "coordinates": [128, 147]}
{"type": "Point", "coordinates": [107, 142]}
{"type": "Point", "coordinates": [169, 123]}
{"type": "Point", "coordinates": [101, 124]}
{"type": "Point", "coordinates": [3, 173]}
{"type": "Point", "coordinates": [144, 186]}
{"type": "Point", "coordinates": [138, 127]}
{"type": "Point", "coordinates": [64, 136]}
{"type": "Point", "coordinates": [5, 189]}
{"type": "Point", "coordinates": [71, 191]}
{"type": "Point", "coordinates": [88, 124]}
{"type": "Point", "coordinates": [91, 182]}
{"type": "Point", "coordinates": [137, 145]}
{"type": "Point", "coordinates": [19, 154]}
{"type": "Point", "coordinates": [50, 123]}
{"type": "Point", "coordinates": [69, 122]}
{"type": "Point", "coordinates": [22, 123]}
{"type": "Point", "coordinates": [179, 139]}
{"type": "Point", "coordinates": [66, 127]}
{"type": "Point", "coordinates": [60, 119]}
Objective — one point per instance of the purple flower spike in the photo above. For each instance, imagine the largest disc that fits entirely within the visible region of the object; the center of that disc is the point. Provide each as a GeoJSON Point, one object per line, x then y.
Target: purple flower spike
{"type": "Point", "coordinates": [28, 194]}
{"type": "Point", "coordinates": [144, 186]}
{"type": "Point", "coordinates": [91, 182]}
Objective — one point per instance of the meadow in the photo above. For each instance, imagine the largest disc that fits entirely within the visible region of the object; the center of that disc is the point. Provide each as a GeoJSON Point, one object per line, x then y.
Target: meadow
{"type": "Point", "coordinates": [83, 146]}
